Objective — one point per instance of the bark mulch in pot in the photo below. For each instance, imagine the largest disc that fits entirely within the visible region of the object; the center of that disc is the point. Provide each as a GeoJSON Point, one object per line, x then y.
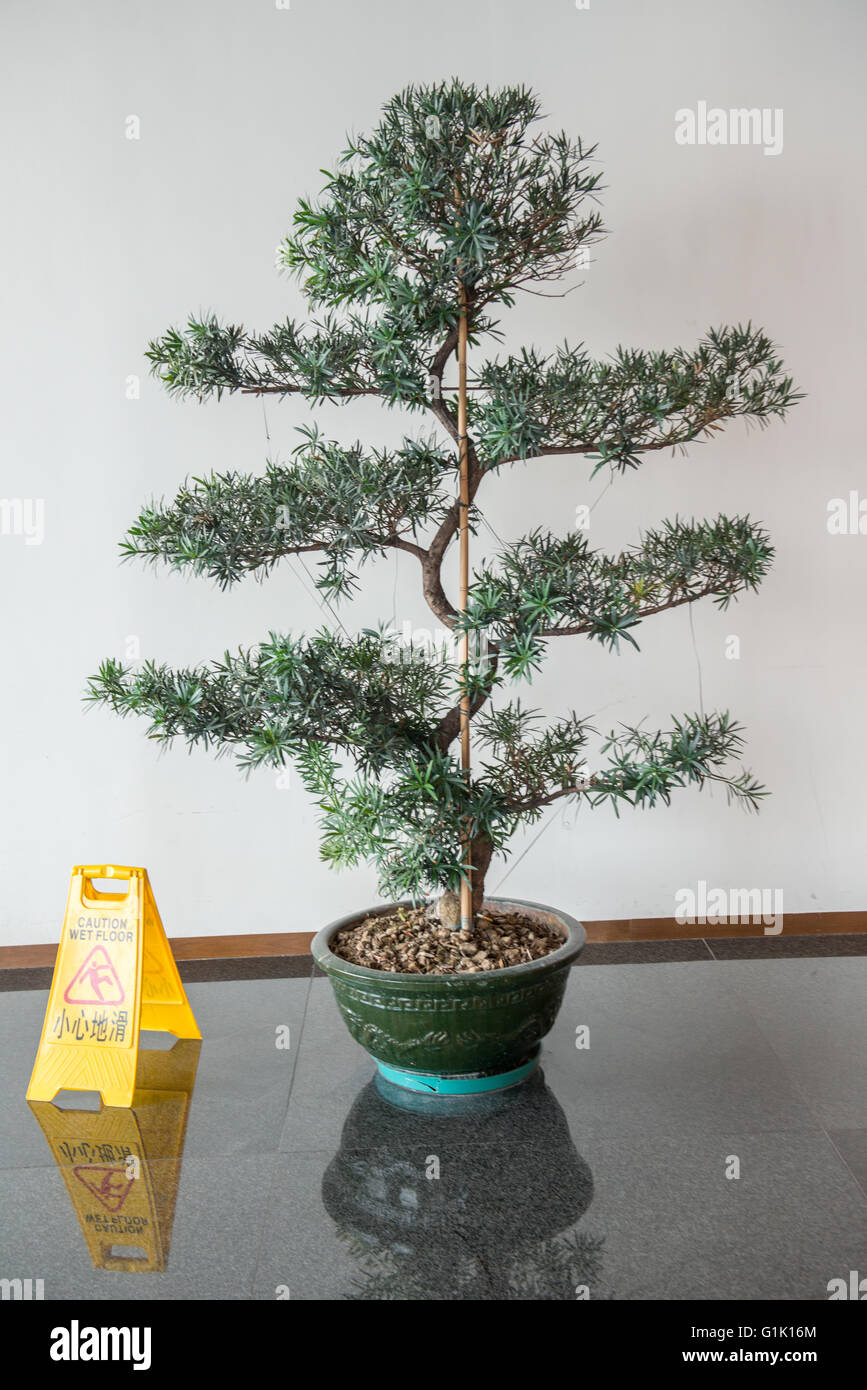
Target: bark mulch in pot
{"type": "Point", "coordinates": [412, 941]}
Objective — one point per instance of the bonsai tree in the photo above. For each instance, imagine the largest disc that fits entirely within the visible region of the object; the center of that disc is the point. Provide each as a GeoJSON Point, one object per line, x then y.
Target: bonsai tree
{"type": "Point", "coordinates": [426, 231]}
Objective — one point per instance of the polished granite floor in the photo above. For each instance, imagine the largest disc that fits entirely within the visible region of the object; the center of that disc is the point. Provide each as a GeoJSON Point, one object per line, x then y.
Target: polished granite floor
{"type": "Point", "coordinates": [275, 1171]}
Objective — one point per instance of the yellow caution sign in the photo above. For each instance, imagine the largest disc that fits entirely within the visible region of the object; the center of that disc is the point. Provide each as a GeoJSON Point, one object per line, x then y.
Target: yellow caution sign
{"type": "Point", "coordinates": [121, 1167]}
{"type": "Point", "coordinates": [114, 975]}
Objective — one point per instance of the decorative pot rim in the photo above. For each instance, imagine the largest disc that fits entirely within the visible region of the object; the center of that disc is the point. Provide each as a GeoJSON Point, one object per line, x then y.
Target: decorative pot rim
{"type": "Point", "coordinates": [332, 964]}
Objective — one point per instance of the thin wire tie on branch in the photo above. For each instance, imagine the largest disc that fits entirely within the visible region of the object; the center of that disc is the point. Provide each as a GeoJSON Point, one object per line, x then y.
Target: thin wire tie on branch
{"type": "Point", "coordinates": [697, 659]}
{"type": "Point", "coordinates": [535, 840]}
{"type": "Point", "coordinates": [322, 602]}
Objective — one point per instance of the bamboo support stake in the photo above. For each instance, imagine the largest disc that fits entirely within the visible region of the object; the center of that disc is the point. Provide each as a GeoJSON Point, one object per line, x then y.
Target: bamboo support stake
{"type": "Point", "coordinates": [463, 454]}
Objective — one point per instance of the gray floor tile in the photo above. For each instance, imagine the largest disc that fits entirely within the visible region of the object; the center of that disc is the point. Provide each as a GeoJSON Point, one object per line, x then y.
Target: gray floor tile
{"type": "Point", "coordinates": [214, 1245]}
{"type": "Point", "coordinates": [813, 1015]}
{"type": "Point", "coordinates": [851, 1144]}
{"type": "Point", "coordinates": [411, 1205]}
{"type": "Point", "coordinates": [671, 1050]}
{"type": "Point", "coordinates": [676, 1227]}
{"type": "Point", "coordinates": [779, 947]}
{"type": "Point", "coordinates": [304, 1171]}
{"type": "Point", "coordinates": [643, 952]}
{"type": "Point", "coordinates": [243, 1080]}
{"type": "Point", "coordinates": [654, 1218]}
{"type": "Point", "coordinates": [329, 1073]}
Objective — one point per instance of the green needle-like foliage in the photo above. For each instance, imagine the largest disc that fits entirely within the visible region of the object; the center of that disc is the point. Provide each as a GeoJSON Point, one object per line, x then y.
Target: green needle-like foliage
{"type": "Point", "coordinates": [329, 499]}
{"type": "Point", "coordinates": [637, 402]}
{"type": "Point", "coordinates": [456, 187]}
{"type": "Point", "coordinates": [544, 586]}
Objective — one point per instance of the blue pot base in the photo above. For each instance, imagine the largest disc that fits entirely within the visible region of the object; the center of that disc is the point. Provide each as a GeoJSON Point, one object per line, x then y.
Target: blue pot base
{"type": "Point", "coordinates": [434, 1085]}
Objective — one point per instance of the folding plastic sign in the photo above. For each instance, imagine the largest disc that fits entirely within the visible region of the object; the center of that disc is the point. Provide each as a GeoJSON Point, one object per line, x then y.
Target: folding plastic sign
{"type": "Point", "coordinates": [114, 976]}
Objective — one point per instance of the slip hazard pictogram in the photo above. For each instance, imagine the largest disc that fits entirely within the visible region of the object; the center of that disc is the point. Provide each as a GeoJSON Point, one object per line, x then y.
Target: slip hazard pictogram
{"type": "Point", "coordinates": [110, 1186]}
{"type": "Point", "coordinates": [95, 982]}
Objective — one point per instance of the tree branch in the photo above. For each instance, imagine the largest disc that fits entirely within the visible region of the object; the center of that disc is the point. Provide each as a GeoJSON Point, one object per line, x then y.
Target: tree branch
{"type": "Point", "coordinates": [584, 628]}
{"type": "Point", "coordinates": [593, 447]}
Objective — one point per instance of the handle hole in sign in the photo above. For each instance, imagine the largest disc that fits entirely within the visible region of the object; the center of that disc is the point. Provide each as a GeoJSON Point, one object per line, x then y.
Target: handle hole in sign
{"type": "Point", "coordinates": [127, 1252]}
{"type": "Point", "coordinates": [106, 889]}
{"type": "Point", "coordinates": [78, 1100]}
{"type": "Point", "coordinates": [152, 1040]}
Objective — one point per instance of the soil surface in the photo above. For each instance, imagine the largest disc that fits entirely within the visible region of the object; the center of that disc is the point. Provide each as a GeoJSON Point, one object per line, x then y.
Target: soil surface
{"type": "Point", "coordinates": [413, 941]}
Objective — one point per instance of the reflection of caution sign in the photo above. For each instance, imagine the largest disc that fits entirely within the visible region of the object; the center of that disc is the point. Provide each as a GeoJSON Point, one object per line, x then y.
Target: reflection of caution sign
{"type": "Point", "coordinates": [96, 981]}
{"type": "Point", "coordinates": [114, 975]}
{"type": "Point", "coordinates": [110, 1186]}
{"type": "Point", "coordinates": [122, 1166]}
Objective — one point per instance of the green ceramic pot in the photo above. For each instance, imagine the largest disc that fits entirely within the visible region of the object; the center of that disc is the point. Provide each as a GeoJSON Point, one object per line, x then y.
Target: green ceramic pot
{"type": "Point", "coordinates": [453, 1034]}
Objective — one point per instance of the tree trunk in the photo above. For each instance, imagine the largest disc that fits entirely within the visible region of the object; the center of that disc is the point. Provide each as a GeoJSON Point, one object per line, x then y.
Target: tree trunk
{"type": "Point", "coordinates": [481, 851]}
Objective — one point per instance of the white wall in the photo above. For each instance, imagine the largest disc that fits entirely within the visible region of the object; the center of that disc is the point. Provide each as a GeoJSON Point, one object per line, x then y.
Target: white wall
{"type": "Point", "coordinates": [106, 240]}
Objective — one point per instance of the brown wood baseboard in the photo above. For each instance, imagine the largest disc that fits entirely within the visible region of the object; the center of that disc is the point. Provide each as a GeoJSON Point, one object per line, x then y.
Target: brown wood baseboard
{"type": "Point", "coordinates": [669, 929]}
{"type": "Point", "coordinates": [275, 944]}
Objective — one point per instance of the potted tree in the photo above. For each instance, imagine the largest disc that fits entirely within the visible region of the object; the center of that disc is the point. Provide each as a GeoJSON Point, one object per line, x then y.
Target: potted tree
{"type": "Point", "coordinates": [428, 227]}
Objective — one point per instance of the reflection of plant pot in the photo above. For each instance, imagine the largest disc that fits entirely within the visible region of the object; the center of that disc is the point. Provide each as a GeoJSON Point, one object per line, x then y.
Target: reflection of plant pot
{"type": "Point", "coordinates": [496, 1217]}
{"type": "Point", "coordinates": [454, 1033]}
{"type": "Point", "coordinates": [507, 1167]}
